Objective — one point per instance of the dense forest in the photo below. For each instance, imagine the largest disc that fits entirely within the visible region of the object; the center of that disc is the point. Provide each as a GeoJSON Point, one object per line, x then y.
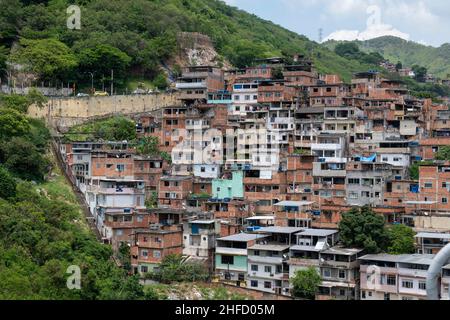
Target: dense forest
{"type": "Point", "coordinates": [136, 38]}
{"type": "Point", "coordinates": [410, 53]}
{"type": "Point", "coordinates": [42, 228]}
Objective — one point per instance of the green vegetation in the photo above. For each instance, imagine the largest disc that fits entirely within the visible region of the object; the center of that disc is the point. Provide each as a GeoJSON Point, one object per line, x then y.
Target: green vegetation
{"type": "Point", "coordinates": [48, 58]}
{"type": "Point", "coordinates": [436, 60]}
{"type": "Point", "coordinates": [306, 283]}
{"type": "Point", "coordinates": [149, 146]}
{"type": "Point", "coordinates": [173, 269]}
{"type": "Point", "coordinates": [42, 227]}
{"type": "Point", "coordinates": [363, 228]}
{"type": "Point", "coordinates": [401, 239]}
{"type": "Point", "coordinates": [192, 291]}
{"type": "Point", "coordinates": [350, 50]}
{"type": "Point", "coordinates": [443, 153]}
{"type": "Point", "coordinates": [117, 128]}
{"type": "Point", "coordinates": [414, 169]}
{"type": "Point", "coordinates": [139, 37]}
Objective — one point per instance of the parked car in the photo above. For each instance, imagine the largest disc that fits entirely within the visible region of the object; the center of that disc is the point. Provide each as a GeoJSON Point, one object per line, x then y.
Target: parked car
{"type": "Point", "coordinates": [101, 94]}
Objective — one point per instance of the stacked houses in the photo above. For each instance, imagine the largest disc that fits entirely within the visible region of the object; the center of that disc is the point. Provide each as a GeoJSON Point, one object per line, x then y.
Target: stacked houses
{"type": "Point", "coordinates": [264, 162]}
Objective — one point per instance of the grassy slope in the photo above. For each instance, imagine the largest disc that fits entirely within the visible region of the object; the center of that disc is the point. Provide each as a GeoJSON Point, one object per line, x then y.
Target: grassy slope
{"type": "Point", "coordinates": [437, 60]}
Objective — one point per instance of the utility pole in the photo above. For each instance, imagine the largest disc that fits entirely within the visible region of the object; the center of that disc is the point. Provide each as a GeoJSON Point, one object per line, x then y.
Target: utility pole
{"type": "Point", "coordinates": [112, 82]}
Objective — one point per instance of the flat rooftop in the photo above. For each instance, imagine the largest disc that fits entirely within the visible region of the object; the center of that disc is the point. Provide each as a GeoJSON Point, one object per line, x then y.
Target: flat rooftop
{"type": "Point", "coordinates": [255, 218]}
{"type": "Point", "coordinates": [424, 259]}
{"type": "Point", "coordinates": [269, 247]}
{"type": "Point", "coordinates": [317, 232]}
{"type": "Point", "coordinates": [242, 237]}
{"type": "Point", "coordinates": [342, 251]}
{"type": "Point", "coordinates": [294, 203]}
{"type": "Point", "coordinates": [433, 235]}
{"type": "Point", "coordinates": [285, 230]}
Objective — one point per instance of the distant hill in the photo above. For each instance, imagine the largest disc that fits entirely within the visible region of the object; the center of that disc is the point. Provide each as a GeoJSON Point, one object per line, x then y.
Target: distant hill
{"type": "Point", "coordinates": [436, 60]}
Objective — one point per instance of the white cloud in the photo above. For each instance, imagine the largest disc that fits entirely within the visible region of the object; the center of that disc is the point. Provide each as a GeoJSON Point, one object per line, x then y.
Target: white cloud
{"type": "Point", "coordinates": [372, 31]}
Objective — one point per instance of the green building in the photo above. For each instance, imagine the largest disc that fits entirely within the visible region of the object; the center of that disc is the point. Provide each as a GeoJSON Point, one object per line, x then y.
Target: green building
{"type": "Point", "coordinates": [231, 257]}
{"type": "Point", "coordinates": [225, 188]}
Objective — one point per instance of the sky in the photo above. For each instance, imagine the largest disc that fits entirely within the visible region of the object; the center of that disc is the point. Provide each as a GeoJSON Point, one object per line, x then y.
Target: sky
{"type": "Point", "coordinates": [423, 21]}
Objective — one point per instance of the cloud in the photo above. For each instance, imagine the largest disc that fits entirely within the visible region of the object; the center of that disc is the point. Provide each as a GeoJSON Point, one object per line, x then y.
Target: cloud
{"type": "Point", "coordinates": [372, 31]}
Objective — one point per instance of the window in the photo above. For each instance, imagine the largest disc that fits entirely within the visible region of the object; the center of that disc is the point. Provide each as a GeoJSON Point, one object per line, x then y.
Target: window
{"type": "Point", "coordinates": [444, 200]}
{"type": "Point", "coordinates": [342, 274]}
{"type": "Point", "coordinates": [144, 269]}
{"type": "Point", "coordinates": [202, 169]}
{"type": "Point", "coordinates": [157, 254]}
{"type": "Point", "coordinates": [254, 267]}
{"type": "Point", "coordinates": [267, 284]}
{"type": "Point", "coordinates": [407, 284]}
{"type": "Point", "coordinates": [327, 273]}
{"type": "Point", "coordinates": [363, 294]}
{"type": "Point", "coordinates": [422, 285]}
{"type": "Point", "coordinates": [120, 167]}
{"type": "Point", "coordinates": [342, 292]}
{"type": "Point", "coordinates": [227, 259]}
{"type": "Point", "coordinates": [254, 284]}
{"type": "Point", "coordinates": [144, 253]}
{"type": "Point", "coordinates": [268, 269]}
{"type": "Point", "coordinates": [428, 185]}
{"type": "Point", "coordinates": [353, 195]}
{"type": "Point", "coordinates": [391, 280]}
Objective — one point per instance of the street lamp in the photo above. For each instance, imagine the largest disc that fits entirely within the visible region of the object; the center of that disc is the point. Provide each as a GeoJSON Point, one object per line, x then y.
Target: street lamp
{"type": "Point", "coordinates": [92, 80]}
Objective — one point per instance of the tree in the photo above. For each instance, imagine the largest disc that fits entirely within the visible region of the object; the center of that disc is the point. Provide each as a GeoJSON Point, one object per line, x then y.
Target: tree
{"type": "Point", "coordinates": [21, 103]}
{"type": "Point", "coordinates": [347, 49]}
{"type": "Point", "coordinates": [12, 124]}
{"type": "Point", "coordinates": [160, 81]}
{"type": "Point", "coordinates": [48, 58]}
{"type": "Point", "coordinates": [306, 283]}
{"type": "Point", "coordinates": [174, 269]}
{"type": "Point", "coordinates": [116, 129]}
{"type": "Point", "coordinates": [3, 59]}
{"type": "Point", "coordinates": [362, 228]}
{"type": "Point", "coordinates": [124, 256]}
{"type": "Point", "coordinates": [103, 58]}
{"type": "Point", "coordinates": [399, 66]}
{"type": "Point", "coordinates": [420, 73]}
{"type": "Point", "coordinates": [7, 184]}
{"type": "Point", "coordinates": [443, 153]}
{"type": "Point", "coordinates": [22, 158]}
{"type": "Point", "coordinates": [244, 53]}
{"type": "Point", "coordinates": [148, 146]}
{"type": "Point", "coordinates": [401, 239]}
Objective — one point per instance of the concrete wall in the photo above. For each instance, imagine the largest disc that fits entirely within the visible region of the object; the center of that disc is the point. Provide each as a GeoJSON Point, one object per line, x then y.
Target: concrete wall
{"type": "Point", "coordinates": [67, 112]}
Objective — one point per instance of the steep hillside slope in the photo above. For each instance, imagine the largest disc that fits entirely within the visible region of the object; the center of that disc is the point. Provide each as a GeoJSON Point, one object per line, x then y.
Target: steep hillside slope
{"type": "Point", "coordinates": [436, 60]}
{"type": "Point", "coordinates": [141, 35]}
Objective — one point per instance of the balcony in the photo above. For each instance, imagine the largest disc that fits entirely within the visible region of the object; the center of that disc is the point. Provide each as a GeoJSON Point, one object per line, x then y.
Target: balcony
{"type": "Point", "coordinates": [329, 171]}
{"type": "Point", "coordinates": [326, 146]}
